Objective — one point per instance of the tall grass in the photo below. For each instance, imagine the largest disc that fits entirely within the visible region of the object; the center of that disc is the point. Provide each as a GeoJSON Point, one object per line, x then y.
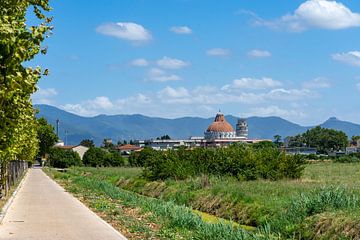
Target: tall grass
{"type": "Point", "coordinates": [315, 202]}
{"type": "Point", "coordinates": [175, 216]}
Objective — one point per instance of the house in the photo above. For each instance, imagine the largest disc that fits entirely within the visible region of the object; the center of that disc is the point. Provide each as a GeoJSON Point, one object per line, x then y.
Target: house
{"type": "Point", "coordinates": [81, 150]}
{"type": "Point", "coordinates": [128, 148]}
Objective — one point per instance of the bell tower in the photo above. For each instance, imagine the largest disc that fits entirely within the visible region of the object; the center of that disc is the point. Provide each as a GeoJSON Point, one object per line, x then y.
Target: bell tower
{"type": "Point", "coordinates": [242, 129]}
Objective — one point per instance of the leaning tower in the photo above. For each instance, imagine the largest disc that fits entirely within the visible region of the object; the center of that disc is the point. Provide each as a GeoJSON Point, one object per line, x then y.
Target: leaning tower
{"type": "Point", "coordinates": [242, 129]}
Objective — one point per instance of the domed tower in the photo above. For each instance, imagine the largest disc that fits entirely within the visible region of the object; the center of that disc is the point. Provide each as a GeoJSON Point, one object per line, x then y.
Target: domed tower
{"type": "Point", "coordinates": [220, 129]}
{"type": "Point", "coordinates": [242, 129]}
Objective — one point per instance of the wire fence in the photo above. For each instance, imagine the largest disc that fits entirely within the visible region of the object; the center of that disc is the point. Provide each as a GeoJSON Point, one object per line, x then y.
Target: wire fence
{"type": "Point", "coordinates": [10, 173]}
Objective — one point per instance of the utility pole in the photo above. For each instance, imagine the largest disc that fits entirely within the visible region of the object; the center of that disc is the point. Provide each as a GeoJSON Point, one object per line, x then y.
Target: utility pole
{"type": "Point", "coordinates": [66, 133]}
{"type": "Point", "coordinates": [57, 127]}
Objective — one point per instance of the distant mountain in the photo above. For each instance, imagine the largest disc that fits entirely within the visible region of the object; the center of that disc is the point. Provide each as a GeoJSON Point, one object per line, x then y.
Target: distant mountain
{"type": "Point", "coordinates": [120, 127]}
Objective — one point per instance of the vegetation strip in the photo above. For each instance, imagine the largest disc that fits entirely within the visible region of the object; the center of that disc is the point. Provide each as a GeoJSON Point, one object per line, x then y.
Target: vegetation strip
{"type": "Point", "coordinates": [324, 199]}
{"type": "Point", "coordinates": [174, 220]}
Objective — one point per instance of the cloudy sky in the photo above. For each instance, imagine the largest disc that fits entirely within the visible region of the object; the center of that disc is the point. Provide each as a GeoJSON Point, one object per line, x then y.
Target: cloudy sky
{"type": "Point", "coordinates": [297, 59]}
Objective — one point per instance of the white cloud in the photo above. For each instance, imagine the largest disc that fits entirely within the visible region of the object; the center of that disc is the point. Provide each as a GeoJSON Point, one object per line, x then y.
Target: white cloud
{"type": "Point", "coordinates": [181, 30]}
{"type": "Point", "coordinates": [91, 107]}
{"type": "Point", "coordinates": [43, 96]}
{"type": "Point", "coordinates": [252, 83]}
{"type": "Point", "coordinates": [201, 100]}
{"type": "Point", "coordinates": [276, 111]}
{"type": "Point", "coordinates": [170, 92]}
{"type": "Point", "coordinates": [324, 14]}
{"type": "Point", "coordinates": [140, 62]}
{"type": "Point", "coordinates": [256, 53]}
{"type": "Point", "coordinates": [171, 63]}
{"type": "Point", "coordinates": [351, 58]}
{"type": "Point", "coordinates": [290, 94]}
{"type": "Point", "coordinates": [125, 30]}
{"type": "Point", "coordinates": [158, 75]}
{"type": "Point", "coordinates": [219, 52]}
{"type": "Point", "coordinates": [319, 82]}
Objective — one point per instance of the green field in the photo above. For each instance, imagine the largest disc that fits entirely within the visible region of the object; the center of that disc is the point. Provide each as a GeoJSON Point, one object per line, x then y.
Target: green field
{"type": "Point", "coordinates": [322, 204]}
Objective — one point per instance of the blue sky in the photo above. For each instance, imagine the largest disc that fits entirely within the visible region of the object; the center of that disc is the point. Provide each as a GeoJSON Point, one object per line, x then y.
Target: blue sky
{"type": "Point", "coordinates": [299, 60]}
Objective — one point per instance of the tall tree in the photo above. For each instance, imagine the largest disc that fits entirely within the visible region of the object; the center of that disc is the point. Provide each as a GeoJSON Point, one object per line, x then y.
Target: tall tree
{"type": "Point", "coordinates": [277, 140]}
{"type": "Point", "coordinates": [46, 135]}
{"type": "Point", "coordinates": [354, 140]}
{"type": "Point", "coordinates": [323, 139]}
{"type": "Point", "coordinates": [87, 143]}
{"type": "Point", "coordinates": [19, 43]}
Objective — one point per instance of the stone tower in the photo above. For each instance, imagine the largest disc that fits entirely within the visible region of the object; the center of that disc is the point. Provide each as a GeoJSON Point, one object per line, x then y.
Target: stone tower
{"type": "Point", "coordinates": [242, 129]}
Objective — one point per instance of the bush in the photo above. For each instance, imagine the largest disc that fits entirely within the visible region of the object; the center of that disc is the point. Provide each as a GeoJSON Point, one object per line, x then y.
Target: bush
{"type": "Point", "coordinates": [137, 159]}
{"type": "Point", "coordinates": [239, 160]}
{"type": "Point", "coordinates": [347, 159]}
{"type": "Point", "coordinates": [98, 157]}
{"type": "Point", "coordinates": [62, 158]}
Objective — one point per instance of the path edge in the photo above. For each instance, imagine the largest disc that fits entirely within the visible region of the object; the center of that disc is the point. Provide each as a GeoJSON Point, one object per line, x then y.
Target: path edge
{"type": "Point", "coordinates": [11, 199]}
{"type": "Point", "coordinates": [91, 211]}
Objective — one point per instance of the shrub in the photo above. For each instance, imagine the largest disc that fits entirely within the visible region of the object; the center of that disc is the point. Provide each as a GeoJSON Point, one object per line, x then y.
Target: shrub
{"type": "Point", "coordinates": [113, 159]}
{"type": "Point", "coordinates": [62, 158]}
{"type": "Point", "coordinates": [98, 157]}
{"type": "Point", "coordinates": [239, 160]}
{"type": "Point", "coordinates": [137, 159]}
{"type": "Point", "coordinates": [347, 159]}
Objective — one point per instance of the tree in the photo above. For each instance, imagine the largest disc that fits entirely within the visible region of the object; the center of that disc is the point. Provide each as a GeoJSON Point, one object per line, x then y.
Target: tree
{"type": "Point", "coordinates": [87, 143]}
{"type": "Point", "coordinates": [19, 43]}
{"type": "Point", "coordinates": [47, 137]}
{"type": "Point", "coordinates": [323, 139]}
{"type": "Point", "coordinates": [354, 140]}
{"type": "Point", "coordinates": [277, 140]}
{"type": "Point", "coordinates": [164, 137]}
{"type": "Point", "coordinates": [62, 158]}
{"type": "Point", "coordinates": [99, 157]}
{"type": "Point", "coordinates": [107, 143]}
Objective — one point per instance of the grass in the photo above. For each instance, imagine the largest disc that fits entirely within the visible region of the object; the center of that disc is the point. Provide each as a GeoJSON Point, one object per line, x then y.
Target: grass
{"type": "Point", "coordinates": [171, 220]}
{"type": "Point", "coordinates": [322, 204]}
{"type": "Point", "coordinates": [4, 200]}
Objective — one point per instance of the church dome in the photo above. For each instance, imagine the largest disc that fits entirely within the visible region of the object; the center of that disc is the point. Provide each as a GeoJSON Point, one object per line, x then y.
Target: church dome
{"type": "Point", "coordinates": [220, 125]}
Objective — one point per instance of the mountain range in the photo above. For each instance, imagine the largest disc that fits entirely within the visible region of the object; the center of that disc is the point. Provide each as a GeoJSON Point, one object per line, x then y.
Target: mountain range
{"type": "Point", "coordinates": [74, 128]}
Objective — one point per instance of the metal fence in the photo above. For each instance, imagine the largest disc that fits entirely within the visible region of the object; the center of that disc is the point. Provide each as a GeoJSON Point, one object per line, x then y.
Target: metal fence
{"type": "Point", "coordinates": [10, 173]}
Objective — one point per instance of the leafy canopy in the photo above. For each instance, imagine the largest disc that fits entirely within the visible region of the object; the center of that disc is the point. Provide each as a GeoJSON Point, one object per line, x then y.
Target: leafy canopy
{"type": "Point", "coordinates": [19, 43]}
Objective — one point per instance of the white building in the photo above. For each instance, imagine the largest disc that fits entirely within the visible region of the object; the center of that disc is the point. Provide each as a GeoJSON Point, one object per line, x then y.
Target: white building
{"type": "Point", "coordinates": [81, 150]}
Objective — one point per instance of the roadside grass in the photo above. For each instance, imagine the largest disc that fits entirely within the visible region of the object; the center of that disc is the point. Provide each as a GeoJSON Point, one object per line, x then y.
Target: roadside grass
{"type": "Point", "coordinates": [160, 219]}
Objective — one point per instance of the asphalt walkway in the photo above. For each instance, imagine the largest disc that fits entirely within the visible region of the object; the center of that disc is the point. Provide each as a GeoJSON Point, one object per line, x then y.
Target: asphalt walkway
{"type": "Point", "coordinates": [42, 210]}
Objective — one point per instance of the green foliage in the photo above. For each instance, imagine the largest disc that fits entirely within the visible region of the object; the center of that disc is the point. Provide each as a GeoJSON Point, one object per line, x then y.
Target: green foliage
{"type": "Point", "coordinates": [174, 218]}
{"type": "Point", "coordinates": [137, 159]}
{"type": "Point", "coordinates": [87, 143]}
{"type": "Point", "coordinates": [354, 140]}
{"type": "Point", "coordinates": [277, 140]}
{"type": "Point", "coordinates": [326, 199]}
{"type": "Point", "coordinates": [98, 157]}
{"type": "Point", "coordinates": [19, 43]}
{"type": "Point", "coordinates": [323, 139]}
{"type": "Point", "coordinates": [107, 144]}
{"type": "Point", "coordinates": [164, 137]}
{"type": "Point", "coordinates": [61, 158]}
{"type": "Point", "coordinates": [354, 158]}
{"type": "Point", "coordinates": [47, 137]}
{"type": "Point", "coordinates": [239, 160]}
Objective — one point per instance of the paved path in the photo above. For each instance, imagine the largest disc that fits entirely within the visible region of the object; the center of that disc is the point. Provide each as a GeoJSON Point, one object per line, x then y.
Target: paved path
{"type": "Point", "coordinates": [42, 210]}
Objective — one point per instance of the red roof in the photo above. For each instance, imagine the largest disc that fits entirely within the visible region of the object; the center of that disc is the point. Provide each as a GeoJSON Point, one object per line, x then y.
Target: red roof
{"type": "Point", "coordinates": [128, 147]}
{"type": "Point", "coordinates": [220, 125]}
